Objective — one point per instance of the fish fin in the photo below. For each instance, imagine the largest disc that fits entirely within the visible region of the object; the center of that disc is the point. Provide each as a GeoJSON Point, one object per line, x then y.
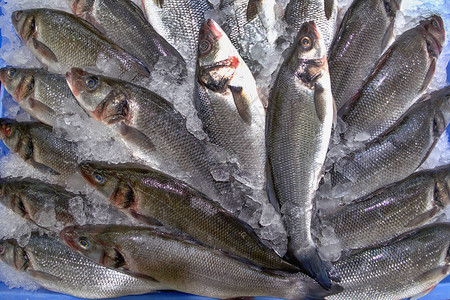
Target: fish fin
{"type": "Point", "coordinates": [44, 51]}
{"type": "Point", "coordinates": [433, 275]}
{"type": "Point", "coordinates": [43, 276]}
{"type": "Point", "coordinates": [40, 107]}
{"type": "Point", "coordinates": [313, 266]}
{"type": "Point", "coordinates": [270, 189]}
{"type": "Point", "coordinates": [133, 134]}
{"type": "Point", "coordinates": [253, 9]}
{"type": "Point", "coordinates": [423, 218]}
{"type": "Point", "coordinates": [429, 76]}
{"type": "Point", "coordinates": [388, 36]}
{"type": "Point", "coordinates": [138, 275]}
{"type": "Point", "coordinates": [138, 10]}
{"type": "Point", "coordinates": [144, 219]}
{"type": "Point", "coordinates": [43, 168]}
{"type": "Point", "coordinates": [320, 102]}
{"type": "Point", "coordinates": [242, 103]}
{"type": "Point", "coordinates": [345, 108]}
{"type": "Point", "coordinates": [329, 7]}
{"type": "Point", "coordinates": [159, 3]}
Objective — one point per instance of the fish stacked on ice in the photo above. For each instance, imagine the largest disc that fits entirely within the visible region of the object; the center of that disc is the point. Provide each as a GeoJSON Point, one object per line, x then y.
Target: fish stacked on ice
{"type": "Point", "coordinates": [164, 162]}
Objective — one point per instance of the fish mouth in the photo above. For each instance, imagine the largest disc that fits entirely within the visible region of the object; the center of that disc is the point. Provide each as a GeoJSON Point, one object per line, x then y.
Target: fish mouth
{"type": "Point", "coordinates": [69, 237]}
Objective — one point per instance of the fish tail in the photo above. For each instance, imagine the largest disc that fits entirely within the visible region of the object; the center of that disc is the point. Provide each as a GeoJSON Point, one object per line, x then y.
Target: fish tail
{"type": "Point", "coordinates": [311, 263]}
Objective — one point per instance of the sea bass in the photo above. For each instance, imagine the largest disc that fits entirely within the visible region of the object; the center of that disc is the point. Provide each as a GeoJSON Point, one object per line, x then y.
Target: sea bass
{"type": "Point", "coordinates": [155, 198]}
{"type": "Point", "coordinates": [61, 41]}
{"type": "Point", "coordinates": [366, 30]}
{"type": "Point", "coordinates": [184, 265]}
{"type": "Point", "coordinates": [392, 210]}
{"type": "Point", "coordinates": [322, 12]}
{"type": "Point", "coordinates": [396, 153]}
{"type": "Point", "coordinates": [125, 24]}
{"type": "Point", "coordinates": [45, 96]}
{"type": "Point", "coordinates": [401, 75]}
{"type": "Point", "coordinates": [411, 265]}
{"type": "Point", "coordinates": [47, 205]}
{"type": "Point", "coordinates": [178, 21]}
{"type": "Point", "coordinates": [227, 101]}
{"type": "Point", "coordinates": [37, 145]}
{"type": "Point", "coordinates": [299, 120]}
{"type": "Point", "coordinates": [148, 124]}
{"type": "Point", "coordinates": [56, 267]}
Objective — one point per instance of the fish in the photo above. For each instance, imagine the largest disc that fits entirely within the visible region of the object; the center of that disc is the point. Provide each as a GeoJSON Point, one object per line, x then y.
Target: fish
{"type": "Point", "coordinates": [47, 205]}
{"type": "Point", "coordinates": [392, 210]}
{"type": "Point", "coordinates": [249, 26]}
{"type": "Point", "coordinates": [60, 41]}
{"type": "Point", "coordinates": [45, 96]}
{"type": "Point", "coordinates": [181, 264]}
{"type": "Point", "coordinates": [410, 265]}
{"type": "Point", "coordinates": [155, 198]}
{"type": "Point", "coordinates": [322, 12]}
{"type": "Point", "coordinates": [38, 146]}
{"type": "Point", "coordinates": [365, 32]}
{"type": "Point", "coordinates": [300, 116]}
{"type": "Point", "coordinates": [126, 25]}
{"type": "Point", "coordinates": [399, 78]}
{"type": "Point", "coordinates": [148, 124]}
{"type": "Point", "coordinates": [56, 267]}
{"type": "Point", "coordinates": [227, 101]}
{"type": "Point", "coordinates": [178, 21]}
{"type": "Point", "coordinates": [395, 154]}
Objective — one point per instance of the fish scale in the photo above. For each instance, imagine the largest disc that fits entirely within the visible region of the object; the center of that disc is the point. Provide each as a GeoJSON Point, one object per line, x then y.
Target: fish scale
{"type": "Point", "coordinates": [398, 270]}
{"type": "Point", "coordinates": [365, 31]}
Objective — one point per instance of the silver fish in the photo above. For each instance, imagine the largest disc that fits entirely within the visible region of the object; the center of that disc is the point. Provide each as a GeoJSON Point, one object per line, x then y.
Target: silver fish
{"type": "Point", "coordinates": [38, 201]}
{"type": "Point", "coordinates": [396, 153]}
{"type": "Point", "coordinates": [45, 96]}
{"type": "Point", "coordinates": [61, 41]}
{"type": "Point", "coordinates": [392, 210]}
{"type": "Point", "coordinates": [56, 267]}
{"type": "Point", "coordinates": [178, 21]}
{"type": "Point", "coordinates": [366, 30]}
{"type": "Point", "coordinates": [411, 265]}
{"type": "Point", "coordinates": [299, 120]}
{"type": "Point", "coordinates": [322, 12]}
{"type": "Point", "coordinates": [227, 101]}
{"type": "Point", "coordinates": [401, 75]}
{"type": "Point", "coordinates": [125, 24]}
{"type": "Point", "coordinates": [184, 265]}
{"type": "Point", "coordinates": [37, 145]}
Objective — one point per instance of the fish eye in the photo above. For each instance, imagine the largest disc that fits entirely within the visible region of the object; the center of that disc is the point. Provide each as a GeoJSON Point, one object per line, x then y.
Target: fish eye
{"type": "Point", "coordinates": [17, 15]}
{"type": "Point", "coordinates": [6, 130]}
{"type": "Point", "coordinates": [99, 178]}
{"type": "Point", "coordinates": [91, 83]}
{"type": "Point", "coordinates": [435, 24]}
{"type": "Point", "coordinates": [84, 243]}
{"type": "Point", "coordinates": [305, 42]}
{"type": "Point", "coordinates": [11, 72]}
{"type": "Point", "coordinates": [204, 46]}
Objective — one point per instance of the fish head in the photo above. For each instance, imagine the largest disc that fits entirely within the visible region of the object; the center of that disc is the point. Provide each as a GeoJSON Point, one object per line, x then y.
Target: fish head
{"type": "Point", "coordinates": [441, 177]}
{"type": "Point", "coordinates": [92, 242]}
{"type": "Point", "coordinates": [13, 199]}
{"type": "Point", "coordinates": [217, 57]}
{"type": "Point", "coordinates": [13, 255]}
{"type": "Point", "coordinates": [25, 24]}
{"type": "Point", "coordinates": [434, 34]}
{"type": "Point", "coordinates": [391, 7]}
{"type": "Point", "coordinates": [102, 177]}
{"type": "Point", "coordinates": [18, 82]}
{"type": "Point", "coordinates": [81, 7]}
{"type": "Point", "coordinates": [99, 96]}
{"type": "Point", "coordinates": [441, 105]}
{"type": "Point", "coordinates": [11, 134]}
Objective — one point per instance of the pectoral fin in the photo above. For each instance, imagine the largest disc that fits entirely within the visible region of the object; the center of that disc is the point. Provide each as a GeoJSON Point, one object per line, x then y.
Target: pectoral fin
{"type": "Point", "coordinates": [136, 137]}
{"type": "Point", "coordinates": [270, 189]}
{"type": "Point", "coordinates": [423, 218]}
{"type": "Point", "coordinates": [44, 51]}
{"type": "Point", "coordinates": [253, 8]}
{"type": "Point", "coordinates": [429, 76]}
{"type": "Point", "coordinates": [43, 276]}
{"type": "Point", "coordinates": [40, 107]}
{"type": "Point", "coordinates": [242, 103]}
{"type": "Point", "coordinates": [43, 168]}
{"type": "Point", "coordinates": [329, 7]}
{"type": "Point", "coordinates": [159, 3]}
{"type": "Point", "coordinates": [320, 102]}
{"type": "Point", "coordinates": [144, 219]}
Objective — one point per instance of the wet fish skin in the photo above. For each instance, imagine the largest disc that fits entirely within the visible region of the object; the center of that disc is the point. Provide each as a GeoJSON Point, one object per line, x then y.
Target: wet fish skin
{"type": "Point", "coordinates": [322, 12]}
{"type": "Point", "coordinates": [56, 267]}
{"type": "Point", "coordinates": [125, 24]}
{"type": "Point", "coordinates": [178, 21]}
{"type": "Point", "coordinates": [365, 32]}
{"type": "Point", "coordinates": [400, 77]}
{"type": "Point", "coordinates": [410, 265]}
{"type": "Point", "coordinates": [45, 96]}
{"type": "Point", "coordinates": [392, 210]}
{"type": "Point", "coordinates": [35, 200]}
{"type": "Point", "coordinates": [153, 197]}
{"type": "Point", "coordinates": [298, 128]}
{"type": "Point", "coordinates": [184, 265]}
{"type": "Point", "coordinates": [37, 145]}
{"type": "Point", "coordinates": [61, 41]}
{"type": "Point", "coordinates": [147, 123]}
{"type": "Point", "coordinates": [398, 152]}
{"type": "Point", "coordinates": [227, 101]}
